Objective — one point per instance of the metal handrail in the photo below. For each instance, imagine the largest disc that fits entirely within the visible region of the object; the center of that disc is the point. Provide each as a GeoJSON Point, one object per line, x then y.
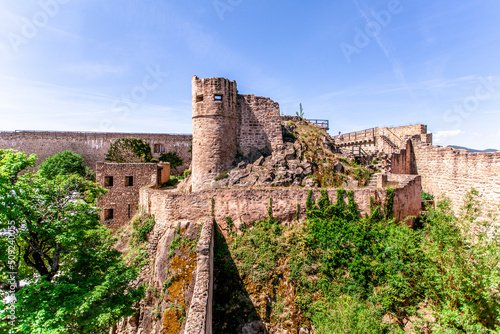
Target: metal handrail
{"type": "Point", "coordinates": [324, 123]}
{"type": "Point", "coordinates": [395, 135]}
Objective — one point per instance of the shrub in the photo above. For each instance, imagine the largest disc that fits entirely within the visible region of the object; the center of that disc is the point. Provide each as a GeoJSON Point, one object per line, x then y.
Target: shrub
{"type": "Point", "coordinates": [64, 163]}
{"type": "Point", "coordinates": [142, 225]}
{"type": "Point", "coordinates": [129, 150]}
{"type": "Point", "coordinates": [172, 158]}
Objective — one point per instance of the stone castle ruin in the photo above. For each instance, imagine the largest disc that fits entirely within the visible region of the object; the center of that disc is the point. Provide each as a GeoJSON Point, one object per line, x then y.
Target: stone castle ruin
{"type": "Point", "coordinates": [243, 154]}
{"type": "Point", "coordinates": [226, 124]}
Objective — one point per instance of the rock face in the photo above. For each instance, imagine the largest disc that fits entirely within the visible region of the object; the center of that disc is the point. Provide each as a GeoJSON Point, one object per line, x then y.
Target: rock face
{"type": "Point", "coordinates": [169, 277]}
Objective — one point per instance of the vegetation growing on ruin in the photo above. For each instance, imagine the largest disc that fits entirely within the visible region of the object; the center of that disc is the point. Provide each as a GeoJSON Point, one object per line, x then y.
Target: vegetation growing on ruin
{"type": "Point", "coordinates": [173, 159]}
{"type": "Point", "coordinates": [315, 145]}
{"type": "Point", "coordinates": [180, 271]}
{"type": "Point", "coordinates": [75, 280]}
{"type": "Point", "coordinates": [345, 274]}
{"type": "Point", "coordinates": [129, 150]}
{"type": "Point", "coordinates": [222, 176]}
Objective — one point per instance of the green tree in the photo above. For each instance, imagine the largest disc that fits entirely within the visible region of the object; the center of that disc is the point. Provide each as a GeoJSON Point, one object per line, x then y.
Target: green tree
{"type": "Point", "coordinates": [76, 281]}
{"type": "Point", "coordinates": [172, 158]}
{"type": "Point", "coordinates": [64, 163]}
{"type": "Point", "coordinates": [129, 150]}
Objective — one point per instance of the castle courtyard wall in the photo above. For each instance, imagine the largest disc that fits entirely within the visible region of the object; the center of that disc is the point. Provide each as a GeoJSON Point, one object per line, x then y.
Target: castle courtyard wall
{"type": "Point", "coordinates": [249, 205]}
{"type": "Point", "coordinates": [92, 146]}
{"type": "Point", "coordinates": [452, 173]}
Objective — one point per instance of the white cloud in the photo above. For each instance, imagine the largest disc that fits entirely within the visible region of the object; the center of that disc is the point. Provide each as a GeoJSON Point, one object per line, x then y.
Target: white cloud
{"type": "Point", "coordinates": [445, 134]}
{"type": "Point", "coordinates": [498, 134]}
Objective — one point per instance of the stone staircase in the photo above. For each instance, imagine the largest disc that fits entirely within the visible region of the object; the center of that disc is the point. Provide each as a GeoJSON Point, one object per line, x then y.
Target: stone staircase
{"type": "Point", "coordinates": [372, 181]}
{"type": "Point", "coordinates": [390, 143]}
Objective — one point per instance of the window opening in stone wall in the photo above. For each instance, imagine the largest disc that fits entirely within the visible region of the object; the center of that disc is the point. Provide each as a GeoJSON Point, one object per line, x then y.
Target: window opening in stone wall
{"type": "Point", "coordinates": [129, 181]}
{"type": "Point", "coordinates": [128, 210]}
{"type": "Point", "coordinates": [218, 97]}
{"type": "Point", "coordinates": [199, 98]}
{"type": "Point", "coordinates": [159, 148]}
{"type": "Point", "coordinates": [108, 214]}
{"type": "Point", "coordinates": [108, 181]}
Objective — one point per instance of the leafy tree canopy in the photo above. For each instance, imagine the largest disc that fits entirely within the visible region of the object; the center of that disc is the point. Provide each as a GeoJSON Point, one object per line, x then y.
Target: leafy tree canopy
{"type": "Point", "coordinates": [172, 158]}
{"type": "Point", "coordinates": [76, 282]}
{"type": "Point", "coordinates": [64, 163]}
{"type": "Point", "coordinates": [129, 150]}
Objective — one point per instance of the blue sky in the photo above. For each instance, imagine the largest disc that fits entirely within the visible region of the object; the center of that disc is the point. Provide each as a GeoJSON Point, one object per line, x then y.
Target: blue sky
{"type": "Point", "coordinates": [94, 65]}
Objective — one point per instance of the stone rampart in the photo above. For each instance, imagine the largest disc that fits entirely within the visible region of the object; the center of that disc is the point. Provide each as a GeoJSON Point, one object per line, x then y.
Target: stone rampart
{"type": "Point", "coordinates": [450, 172]}
{"type": "Point", "coordinates": [386, 139]}
{"type": "Point", "coordinates": [247, 205]}
{"type": "Point", "coordinates": [199, 317]}
{"type": "Point", "coordinates": [92, 146]}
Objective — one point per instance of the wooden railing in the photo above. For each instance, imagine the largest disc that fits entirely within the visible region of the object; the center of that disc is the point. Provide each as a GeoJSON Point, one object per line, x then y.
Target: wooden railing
{"type": "Point", "coordinates": [357, 151]}
{"type": "Point", "coordinates": [324, 123]}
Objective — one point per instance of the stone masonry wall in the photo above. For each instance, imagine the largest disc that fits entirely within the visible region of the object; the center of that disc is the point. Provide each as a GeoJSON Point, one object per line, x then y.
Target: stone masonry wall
{"type": "Point", "coordinates": [404, 161]}
{"type": "Point", "coordinates": [450, 172]}
{"type": "Point", "coordinates": [247, 205]}
{"type": "Point", "coordinates": [199, 316]}
{"type": "Point", "coordinates": [122, 198]}
{"type": "Point", "coordinates": [399, 133]}
{"type": "Point", "coordinates": [215, 122]}
{"type": "Point", "coordinates": [92, 146]}
{"type": "Point", "coordinates": [386, 139]}
{"type": "Point", "coordinates": [259, 124]}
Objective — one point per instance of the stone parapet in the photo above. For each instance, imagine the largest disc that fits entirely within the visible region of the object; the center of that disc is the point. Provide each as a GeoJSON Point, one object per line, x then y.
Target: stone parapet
{"type": "Point", "coordinates": [199, 317]}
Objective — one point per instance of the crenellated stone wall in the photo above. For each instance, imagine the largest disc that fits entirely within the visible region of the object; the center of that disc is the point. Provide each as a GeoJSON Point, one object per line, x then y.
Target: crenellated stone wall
{"type": "Point", "coordinates": [386, 139]}
{"type": "Point", "coordinates": [92, 146]}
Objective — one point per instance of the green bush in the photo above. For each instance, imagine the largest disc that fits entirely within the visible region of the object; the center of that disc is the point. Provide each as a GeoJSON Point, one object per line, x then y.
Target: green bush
{"type": "Point", "coordinates": [172, 158]}
{"type": "Point", "coordinates": [427, 196]}
{"type": "Point", "coordinates": [142, 225]}
{"type": "Point", "coordinates": [129, 150]}
{"type": "Point", "coordinates": [64, 163]}
{"type": "Point", "coordinates": [371, 268]}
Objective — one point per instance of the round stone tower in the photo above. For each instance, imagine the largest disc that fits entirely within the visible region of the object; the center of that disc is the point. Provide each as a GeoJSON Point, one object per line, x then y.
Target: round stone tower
{"type": "Point", "coordinates": [215, 121]}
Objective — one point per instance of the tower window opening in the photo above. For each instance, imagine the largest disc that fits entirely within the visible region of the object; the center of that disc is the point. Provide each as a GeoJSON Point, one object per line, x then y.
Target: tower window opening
{"type": "Point", "coordinates": [108, 214]}
{"type": "Point", "coordinates": [199, 98]}
{"type": "Point", "coordinates": [129, 181]}
{"type": "Point", "coordinates": [218, 97]}
{"type": "Point", "coordinates": [108, 181]}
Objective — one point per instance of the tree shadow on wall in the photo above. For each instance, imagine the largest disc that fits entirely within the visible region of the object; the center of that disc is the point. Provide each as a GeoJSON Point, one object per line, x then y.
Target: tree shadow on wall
{"type": "Point", "coordinates": [232, 308]}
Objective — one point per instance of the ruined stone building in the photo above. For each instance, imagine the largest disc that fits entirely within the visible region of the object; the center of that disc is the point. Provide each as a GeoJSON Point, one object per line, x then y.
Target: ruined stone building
{"type": "Point", "coordinates": [241, 136]}
{"type": "Point", "coordinates": [226, 124]}
{"type": "Point", "coordinates": [123, 182]}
